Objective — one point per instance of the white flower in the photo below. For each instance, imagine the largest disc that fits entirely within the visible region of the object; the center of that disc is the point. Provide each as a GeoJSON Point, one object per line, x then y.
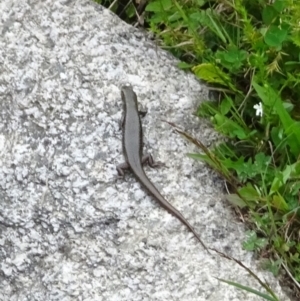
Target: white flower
{"type": "Point", "coordinates": [259, 109]}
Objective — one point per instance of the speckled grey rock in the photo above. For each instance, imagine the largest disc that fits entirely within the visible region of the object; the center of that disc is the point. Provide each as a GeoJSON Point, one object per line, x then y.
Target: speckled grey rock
{"type": "Point", "coordinates": [69, 229]}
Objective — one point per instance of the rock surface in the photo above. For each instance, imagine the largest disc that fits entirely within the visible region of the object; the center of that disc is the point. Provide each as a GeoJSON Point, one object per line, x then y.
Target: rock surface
{"type": "Point", "coordinates": [69, 229]}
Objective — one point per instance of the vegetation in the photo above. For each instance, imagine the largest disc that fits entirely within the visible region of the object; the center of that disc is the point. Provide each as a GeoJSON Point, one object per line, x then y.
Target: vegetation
{"type": "Point", "coordinates": [249, 52]}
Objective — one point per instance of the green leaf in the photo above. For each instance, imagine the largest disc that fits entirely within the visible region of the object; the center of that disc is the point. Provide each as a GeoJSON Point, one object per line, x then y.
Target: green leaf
{"type": "Point", "coordinates": [184, 65]}
{"type": "Point", "coordinates": [262, 162]}
{"type": "Point", "coordinates": [253, 242]}
{"type": "Point", "coordinates": [200, 2]}
{"type": "Point", "coordinates": [233, 58]}
{"type": "Point", "coordinates": [277, 135]}
{"type": "Point", "coordinates": [294, 189]}
{"type": "Point", "coordinates": [282, 177]}
{"type": "Point", "coordinates": [286, 173]}
{"type": "Point", "coordinates": [272, 266]}
{"type": "Point", "coordinates": [275, 36]}
{"type": "Point", "coordinates": [174, 17]}
{"type": "Point", "coordinates": [226, 105]}
{"type": "Point", "coordinates": [235, 200]}
{"type": "Point", "coordinates": [213, 74]}
{"type": "Point", "coordinates": [249, 193]}
{"type": "Point", "coordinates": [288, 106]}
{"type": "Point", "coordinates": [235, 55]}
{"type": "Point", "coordinates": [229, 127]}
{"type": "Point", "coordinates": [244, 169]}
{"type": "Point", "coordinates": [258, 60]}
{"type": "Point", "coordinates": [263, 94]}
{"type": "Point", "coordinates": [158, 6]}
{"type": "Point", "coordinates": [279, 202]}
{"type": "Point", "coordinates": [277, 183]}
{"type": "Point", "coordinates": [280, 5]}
{"type": "Point", "coordinates": [249, 289]}
{"type": "Point", "coordinates": [198, 17]}
{"type": "Point", "coordinates": [269, 14]}
{"type": "Point", "coordinates": [181, 12]}
{"type": "Point", "coordinates": [207, 109]}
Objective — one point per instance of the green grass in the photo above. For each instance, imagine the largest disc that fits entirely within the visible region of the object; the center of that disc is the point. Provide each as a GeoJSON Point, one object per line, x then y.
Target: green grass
{"type": "Point", "coordinates": [249, 52]}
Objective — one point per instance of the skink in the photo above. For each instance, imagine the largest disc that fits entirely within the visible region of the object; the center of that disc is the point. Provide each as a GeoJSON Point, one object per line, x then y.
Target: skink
{"type": "Point", "coordinates": [133, 152]}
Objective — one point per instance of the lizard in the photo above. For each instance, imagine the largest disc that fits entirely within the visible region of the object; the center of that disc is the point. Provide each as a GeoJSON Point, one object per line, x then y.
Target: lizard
{"type": "Point", "coordinates": [133, 152]}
